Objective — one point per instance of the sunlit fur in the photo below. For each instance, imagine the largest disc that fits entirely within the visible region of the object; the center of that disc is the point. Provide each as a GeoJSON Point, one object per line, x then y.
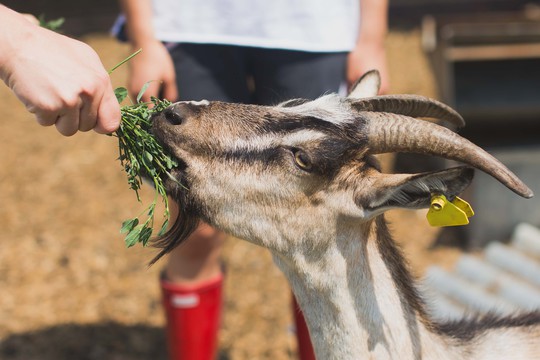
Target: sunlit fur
{"type": "Point", "coordinates": [299, 180]}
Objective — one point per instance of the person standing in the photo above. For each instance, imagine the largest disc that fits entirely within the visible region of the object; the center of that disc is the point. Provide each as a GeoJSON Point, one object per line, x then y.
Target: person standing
{"type": "Point", "coordinates": [244, 51]}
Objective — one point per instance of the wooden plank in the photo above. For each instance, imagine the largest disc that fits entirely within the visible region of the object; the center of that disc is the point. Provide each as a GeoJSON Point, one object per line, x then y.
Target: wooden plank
{"type": "Point", "coordinates": [492, 52]}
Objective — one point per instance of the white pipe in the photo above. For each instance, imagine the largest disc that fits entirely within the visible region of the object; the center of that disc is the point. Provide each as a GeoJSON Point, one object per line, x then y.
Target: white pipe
{"type": "Point", "coordinates": [440, 306]}
{"type": "Point", "coordinates": [463, 291]}
{"type": "Point", "coordinates": [499, 282]}
{"type": "Point", "coordinates": [514, 261]}
{"type": "Point", "coordinates": [527, 239]}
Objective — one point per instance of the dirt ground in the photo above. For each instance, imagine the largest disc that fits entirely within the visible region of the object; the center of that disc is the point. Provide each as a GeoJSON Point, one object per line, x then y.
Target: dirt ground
{"type": "Point", "coordinates": [69, 289]}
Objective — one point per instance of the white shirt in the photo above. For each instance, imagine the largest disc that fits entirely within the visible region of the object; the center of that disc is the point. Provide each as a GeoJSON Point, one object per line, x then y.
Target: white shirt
{"type": "Point", "coordinates": [307, 25]}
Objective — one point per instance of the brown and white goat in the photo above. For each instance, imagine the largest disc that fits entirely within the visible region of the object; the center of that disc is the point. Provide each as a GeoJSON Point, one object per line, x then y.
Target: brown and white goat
{"type": "Point", "coordinates": [300, 179]}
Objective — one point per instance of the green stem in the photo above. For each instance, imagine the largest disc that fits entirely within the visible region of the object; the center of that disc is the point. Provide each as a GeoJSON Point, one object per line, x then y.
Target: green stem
{"type": "Point", "coordinates": [124, 61]}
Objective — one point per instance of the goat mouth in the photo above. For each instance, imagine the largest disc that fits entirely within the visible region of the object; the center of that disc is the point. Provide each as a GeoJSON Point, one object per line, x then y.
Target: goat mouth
{"type": "Point", "coordinates": [177, 174]}
{"type": "Point", "coordinates": [160, 134]}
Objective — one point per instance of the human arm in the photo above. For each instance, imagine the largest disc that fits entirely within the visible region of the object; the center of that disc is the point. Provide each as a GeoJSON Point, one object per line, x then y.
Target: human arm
{"type": "Point", "coordinates": [154, 62]}
{"type": "Point", "coordinates": [60, 80]}
{"type": "Point", "coordinates": [369, 52]}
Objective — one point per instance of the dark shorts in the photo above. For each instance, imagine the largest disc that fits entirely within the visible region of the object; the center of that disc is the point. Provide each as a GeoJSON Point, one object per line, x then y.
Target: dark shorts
{"type": "Point", "coordinates": [254, 75]}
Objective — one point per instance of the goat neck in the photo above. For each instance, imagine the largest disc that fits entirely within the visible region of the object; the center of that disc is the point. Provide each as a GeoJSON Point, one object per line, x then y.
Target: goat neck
{"type": "Point", "coordinates": [358, 298]}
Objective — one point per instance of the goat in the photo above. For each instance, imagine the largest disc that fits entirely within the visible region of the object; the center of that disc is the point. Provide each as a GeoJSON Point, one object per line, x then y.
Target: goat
{"type": "Point", "coordinates": [301, 179]}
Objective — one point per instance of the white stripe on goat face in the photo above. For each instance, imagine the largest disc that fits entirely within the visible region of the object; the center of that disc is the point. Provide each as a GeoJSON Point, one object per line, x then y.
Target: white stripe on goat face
{"type": "Point", "coordinates": [203, 102]}
{"type": "Point", "coordinates": [331, 108]}
{"type": "Point", "coordinates": [268, 141]}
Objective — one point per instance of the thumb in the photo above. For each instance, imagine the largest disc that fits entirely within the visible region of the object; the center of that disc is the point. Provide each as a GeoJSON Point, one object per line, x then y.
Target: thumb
{"type": "Point", "coordinates": [108, 116]}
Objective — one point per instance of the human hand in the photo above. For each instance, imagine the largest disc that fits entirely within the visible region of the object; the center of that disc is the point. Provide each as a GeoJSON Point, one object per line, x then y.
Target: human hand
{"type": "Point", "coordinates": [153, 64]}
{"type": "Point", "coordinates": [60, 80]}
{"type": "Point", "coordinates": [368, 56]}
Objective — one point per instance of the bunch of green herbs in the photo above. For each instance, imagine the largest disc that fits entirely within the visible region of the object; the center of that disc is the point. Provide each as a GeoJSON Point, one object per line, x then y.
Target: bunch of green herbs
{"type": "Point", "coordinates": [141, 155]}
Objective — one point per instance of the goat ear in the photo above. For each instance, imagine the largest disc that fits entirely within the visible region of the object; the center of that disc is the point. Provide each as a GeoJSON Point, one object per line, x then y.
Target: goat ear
{"type": "Point", "coordinates": [413, 191]}
{"type": "Point", "coordinates": [367, 86]}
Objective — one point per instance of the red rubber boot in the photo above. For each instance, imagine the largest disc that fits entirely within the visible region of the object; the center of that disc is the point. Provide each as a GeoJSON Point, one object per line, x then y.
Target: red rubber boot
{"type": "Point", "coordinates": [193, 314]}
{"type": "Point", "coordinates": [305, 348]}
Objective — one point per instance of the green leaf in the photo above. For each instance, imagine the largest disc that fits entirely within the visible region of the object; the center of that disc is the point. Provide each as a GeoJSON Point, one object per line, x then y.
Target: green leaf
{"type": "Point", "coordinates": [128, 225]}
{"type": "Point", "coordinates": [149, 156]}
{"type": "Point", "coordinates": [163, 228]}
{"type": "Point", "coordinates": [143, 90]}
{"type": "Point", "coordinates": [121, 93]}
{"type": "Point", "coordinates": [133, 237]}
{"type": "Point", "coordinates": [146, 233]}
{"type": "Point", "coordinates": [170, 162]}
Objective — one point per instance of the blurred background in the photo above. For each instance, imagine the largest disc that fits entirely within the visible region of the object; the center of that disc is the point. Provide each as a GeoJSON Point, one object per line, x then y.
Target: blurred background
{"type": "Point", "coordinates": [69, 289]}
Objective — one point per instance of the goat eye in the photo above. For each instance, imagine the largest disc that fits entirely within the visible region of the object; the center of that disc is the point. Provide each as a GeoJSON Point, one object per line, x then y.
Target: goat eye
{"type": "Point", "coordinates": [302, 160]}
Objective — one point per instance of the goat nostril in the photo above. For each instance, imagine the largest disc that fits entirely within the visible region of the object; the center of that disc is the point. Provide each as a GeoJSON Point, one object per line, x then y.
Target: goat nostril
{"type": "Point", "coordinates": [173, 117]}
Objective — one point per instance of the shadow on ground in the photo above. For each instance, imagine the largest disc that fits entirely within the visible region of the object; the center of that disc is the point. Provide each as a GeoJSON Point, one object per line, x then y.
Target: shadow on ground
{"type": "Point", "coordinates": [108, 341]}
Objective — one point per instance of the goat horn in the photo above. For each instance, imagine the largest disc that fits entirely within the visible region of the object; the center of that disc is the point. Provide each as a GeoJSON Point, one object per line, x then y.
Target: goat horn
{"type": "Point", "coordinates": [388, 132]}
{"type": "Point", "coordinates": [410, 105]}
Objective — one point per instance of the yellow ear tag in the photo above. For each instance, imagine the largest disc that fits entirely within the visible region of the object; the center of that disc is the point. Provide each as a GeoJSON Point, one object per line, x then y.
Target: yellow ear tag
{"type": "Point", "coordinates": [445, 213]}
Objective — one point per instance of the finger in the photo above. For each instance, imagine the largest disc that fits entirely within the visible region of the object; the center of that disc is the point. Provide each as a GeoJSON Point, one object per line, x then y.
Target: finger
{"type": "Point", "coordinates": [108, 115]}
{"type": "Point", "coordinates": [385, 85]}
{"type": "Point", "coordinates": [170, 90]}
{"type": "Point", "coordinates": [89, 112]}
{"type": "Point", "coordinates": [67, 123]}
{"type": "Point", "coordinates": [46, 118]}
{"type": "Point", "coordinates": [385, 89]}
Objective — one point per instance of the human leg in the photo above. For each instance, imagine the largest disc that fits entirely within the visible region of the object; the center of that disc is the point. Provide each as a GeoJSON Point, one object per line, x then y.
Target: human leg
{"type": "Point", "coordinates": [191, 285]}
{"type": "Point", "coordinates": [281, 75]}
{"type": "Point", "coordinates": [211, 72]}
{"type": "Point", "coordinates": [192, 278]}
